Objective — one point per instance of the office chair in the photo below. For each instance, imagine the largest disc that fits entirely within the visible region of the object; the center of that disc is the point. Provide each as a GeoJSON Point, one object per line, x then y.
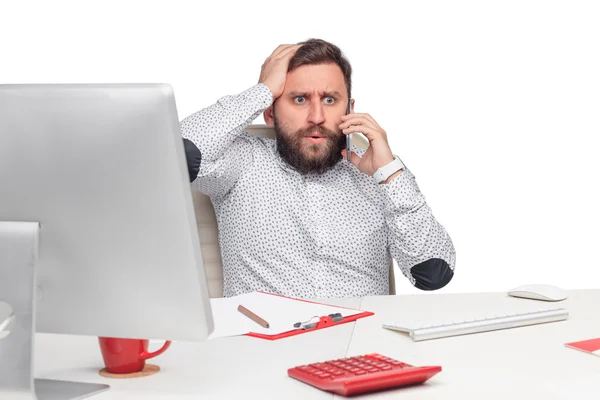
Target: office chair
{"type": "Point", "coordinates": [207, 225]}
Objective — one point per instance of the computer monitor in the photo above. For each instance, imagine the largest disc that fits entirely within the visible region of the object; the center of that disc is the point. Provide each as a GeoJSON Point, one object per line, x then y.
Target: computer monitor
{"type": "Point", "coordinates": [101, 169]}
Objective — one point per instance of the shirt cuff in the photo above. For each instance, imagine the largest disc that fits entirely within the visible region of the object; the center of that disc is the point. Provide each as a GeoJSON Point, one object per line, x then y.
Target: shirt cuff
{"type": "Point", "coordinates": [402, 194]}
{"type": "Point", "coordinates": [263, 94]}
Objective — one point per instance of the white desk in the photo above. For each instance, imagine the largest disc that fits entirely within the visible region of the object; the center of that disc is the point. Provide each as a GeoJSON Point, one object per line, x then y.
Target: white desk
{"type": "Point", "coordinates": [474, 366]}
{"type": "Point", "coordinates": [520, 363]}
{"type": "Point", "coordinates": [230, 368]}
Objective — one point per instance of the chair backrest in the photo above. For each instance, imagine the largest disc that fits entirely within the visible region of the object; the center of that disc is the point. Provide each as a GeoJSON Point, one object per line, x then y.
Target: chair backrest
{"type": "Point", "coordinates": [207, 225]}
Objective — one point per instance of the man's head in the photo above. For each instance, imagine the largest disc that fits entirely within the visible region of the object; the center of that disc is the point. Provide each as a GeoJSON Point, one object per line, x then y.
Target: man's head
{"type": "Point", "coordinates": [307, 114]}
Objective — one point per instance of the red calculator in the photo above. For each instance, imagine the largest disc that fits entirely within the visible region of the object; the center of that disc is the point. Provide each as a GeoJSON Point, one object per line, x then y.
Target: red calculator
{"type": "Point", "coordinates": [361, 374]}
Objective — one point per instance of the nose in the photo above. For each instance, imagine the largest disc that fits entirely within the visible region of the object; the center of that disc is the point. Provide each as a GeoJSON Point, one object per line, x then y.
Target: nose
{"type": "Point", "coordinates": [316, 114]}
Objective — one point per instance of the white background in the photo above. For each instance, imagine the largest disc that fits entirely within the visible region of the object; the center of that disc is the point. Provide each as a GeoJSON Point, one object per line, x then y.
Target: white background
{"type": "Point", "coordinates": [494, 106]}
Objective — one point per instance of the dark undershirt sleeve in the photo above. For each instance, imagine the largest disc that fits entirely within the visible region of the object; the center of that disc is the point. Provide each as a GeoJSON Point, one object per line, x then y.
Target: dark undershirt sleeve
{"type": "Point", "coordinates": [193, 158]}
{"type": "Point", "coordinates": [432, 274]}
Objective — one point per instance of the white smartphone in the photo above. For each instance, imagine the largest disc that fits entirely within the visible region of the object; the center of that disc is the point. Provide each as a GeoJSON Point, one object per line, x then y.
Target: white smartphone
{"type": "Point", "coordinates": [348, 137]}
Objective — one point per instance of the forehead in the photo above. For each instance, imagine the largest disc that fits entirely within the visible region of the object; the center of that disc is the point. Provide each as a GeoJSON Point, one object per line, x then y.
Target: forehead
{"type": "Point", "coordinates": [315, 79]}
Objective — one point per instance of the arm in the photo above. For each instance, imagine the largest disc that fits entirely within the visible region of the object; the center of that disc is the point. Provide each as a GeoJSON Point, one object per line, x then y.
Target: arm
{"type": "Point", "coordinates": [218, 134]}
{"type": "Point", "coordinates": [218, 131]}
{"type": "Point", "coordinates": [419, 244]}
{"type": "Point", "coordinates": [417, 241]}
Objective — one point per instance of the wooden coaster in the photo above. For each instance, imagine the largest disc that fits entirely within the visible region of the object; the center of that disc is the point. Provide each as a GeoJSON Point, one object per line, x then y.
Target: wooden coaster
{"type": "Point", "coordinates": [149, 369]}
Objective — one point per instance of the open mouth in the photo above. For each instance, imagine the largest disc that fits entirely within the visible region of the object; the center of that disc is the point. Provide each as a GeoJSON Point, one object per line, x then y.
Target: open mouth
{"type": "Point", "coordinates": [315, 138]}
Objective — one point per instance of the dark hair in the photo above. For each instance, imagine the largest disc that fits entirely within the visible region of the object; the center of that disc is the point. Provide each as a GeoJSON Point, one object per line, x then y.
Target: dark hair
{"type": "Point", "coordinates": [318, 51]}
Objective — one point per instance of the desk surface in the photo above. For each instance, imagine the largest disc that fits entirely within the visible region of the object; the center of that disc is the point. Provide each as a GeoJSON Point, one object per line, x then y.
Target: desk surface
{"type": "Point", "coordinates": [520, 363]}
{"type": "Point", "coordinates": [533, 359]}
{"type": "Point", "coordinates": [227, 368]}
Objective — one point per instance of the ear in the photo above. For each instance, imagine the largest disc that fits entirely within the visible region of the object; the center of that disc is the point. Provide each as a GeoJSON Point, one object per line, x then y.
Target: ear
{"type": "Point", "coordinates": [352, 105]}
{"type": "Point", "coordinates": [268, 116]}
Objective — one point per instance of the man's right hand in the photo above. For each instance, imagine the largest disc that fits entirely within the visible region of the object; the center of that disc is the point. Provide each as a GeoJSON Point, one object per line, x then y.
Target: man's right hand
{"type": "Point", "coordinates": [274, 70]}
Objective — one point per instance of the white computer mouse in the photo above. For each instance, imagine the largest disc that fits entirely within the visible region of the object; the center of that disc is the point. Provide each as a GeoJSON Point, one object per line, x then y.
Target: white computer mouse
{"type": "Point", "coordinates": [539, 292]}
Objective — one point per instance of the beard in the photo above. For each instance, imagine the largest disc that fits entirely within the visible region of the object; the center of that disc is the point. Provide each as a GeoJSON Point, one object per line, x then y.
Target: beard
{"type": "Point", "coordinates": [310, 158]}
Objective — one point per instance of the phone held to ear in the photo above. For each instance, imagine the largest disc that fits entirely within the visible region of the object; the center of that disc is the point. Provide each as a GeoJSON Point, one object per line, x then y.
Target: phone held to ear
{"type": "Point", "coordinates": [349, 136]}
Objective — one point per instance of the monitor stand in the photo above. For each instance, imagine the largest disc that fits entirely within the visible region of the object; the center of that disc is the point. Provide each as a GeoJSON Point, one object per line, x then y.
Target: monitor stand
{"type": "Point", "coordinates": [18, 255]}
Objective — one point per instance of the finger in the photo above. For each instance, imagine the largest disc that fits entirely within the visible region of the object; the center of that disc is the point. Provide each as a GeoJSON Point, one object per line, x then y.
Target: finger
{"type": "Point", "coordinates": [368, 117]}
{"type": "Point", "coordinates": [354, 158]}
{"type": "Point", "coordinates": [353, 114]}
{"type": "Point", "coordinates": [349, 117]}
{"type": "Point", "coordinates": [280, 49]}
{"type": "Point", "coordinates": [287, 53]}
{"type": "Point", "coordinates": [358, 121]}
{"type": "Point", "coordinates": [368, 131]}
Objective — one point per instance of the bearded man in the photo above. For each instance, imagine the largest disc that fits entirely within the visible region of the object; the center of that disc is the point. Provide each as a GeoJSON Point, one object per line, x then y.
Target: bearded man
{"type": "Point", "coordinates": [296, 217]}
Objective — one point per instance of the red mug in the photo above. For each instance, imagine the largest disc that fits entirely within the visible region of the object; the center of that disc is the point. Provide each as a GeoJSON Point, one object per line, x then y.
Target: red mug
{"type": "Point", "coordinates": [127, 356]}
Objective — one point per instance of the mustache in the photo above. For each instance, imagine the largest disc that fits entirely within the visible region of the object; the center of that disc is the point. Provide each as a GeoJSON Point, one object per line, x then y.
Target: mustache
{"type": "Point", "coordinates": [323, 131]}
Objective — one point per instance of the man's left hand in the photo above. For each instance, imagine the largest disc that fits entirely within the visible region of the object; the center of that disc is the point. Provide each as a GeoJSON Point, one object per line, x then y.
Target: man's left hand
{"type": "Point", "coordinates": [378, 154]}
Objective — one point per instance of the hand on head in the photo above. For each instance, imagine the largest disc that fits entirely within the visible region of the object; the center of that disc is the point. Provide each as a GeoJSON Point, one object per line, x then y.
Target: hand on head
{"type": "Point", "coordinates": [274, 70]}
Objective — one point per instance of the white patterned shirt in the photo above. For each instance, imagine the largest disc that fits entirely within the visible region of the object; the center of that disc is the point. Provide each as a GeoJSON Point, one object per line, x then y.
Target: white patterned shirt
{"type": "Point", "coordinates": [308, 236]}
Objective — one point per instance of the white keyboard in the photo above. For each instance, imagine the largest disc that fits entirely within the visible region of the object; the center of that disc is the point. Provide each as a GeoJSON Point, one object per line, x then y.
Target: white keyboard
{"type": "Point", "coordinates": [425, 331]}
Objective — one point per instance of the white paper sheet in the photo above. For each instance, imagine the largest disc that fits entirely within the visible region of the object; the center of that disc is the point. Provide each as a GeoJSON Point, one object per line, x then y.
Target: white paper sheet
{"type": "Point", "coordinates": [280, 312]}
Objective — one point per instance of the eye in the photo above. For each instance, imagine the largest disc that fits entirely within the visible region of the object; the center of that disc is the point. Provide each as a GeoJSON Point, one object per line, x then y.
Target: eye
{"type": "Point", "coordinates": [299, 99]}
{"type": "Point", "coordinates": [329, 100]}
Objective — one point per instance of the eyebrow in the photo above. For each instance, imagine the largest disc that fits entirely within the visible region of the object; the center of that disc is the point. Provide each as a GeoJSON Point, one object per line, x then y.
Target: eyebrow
{"type": "Point", "coordinates": [333, 93]}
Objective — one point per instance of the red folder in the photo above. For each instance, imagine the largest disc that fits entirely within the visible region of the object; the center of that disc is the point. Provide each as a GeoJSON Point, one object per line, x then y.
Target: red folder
{"type": "Point", "coordinates": [324, 322]}
{"type": "Point", "coordinates": [591, 346]}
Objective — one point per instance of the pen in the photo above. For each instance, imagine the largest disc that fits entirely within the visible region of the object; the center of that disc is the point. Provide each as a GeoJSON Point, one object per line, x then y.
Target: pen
{"type": "Point", "coordinates": [253, 316]}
